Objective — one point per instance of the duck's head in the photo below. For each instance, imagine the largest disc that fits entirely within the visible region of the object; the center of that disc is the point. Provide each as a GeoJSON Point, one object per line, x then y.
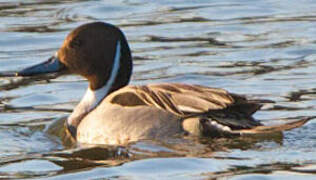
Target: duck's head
{"type": "Point", "coordinates": [97, 51]}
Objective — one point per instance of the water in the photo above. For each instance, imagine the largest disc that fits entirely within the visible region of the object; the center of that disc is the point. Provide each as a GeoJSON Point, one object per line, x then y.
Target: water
{"type": "Point", "coordinates": [263, 49]}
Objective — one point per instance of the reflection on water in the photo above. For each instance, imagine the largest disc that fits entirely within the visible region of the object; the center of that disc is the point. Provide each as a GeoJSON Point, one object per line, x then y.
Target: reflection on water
{"type": "Point", "coordinates": [264, 49]}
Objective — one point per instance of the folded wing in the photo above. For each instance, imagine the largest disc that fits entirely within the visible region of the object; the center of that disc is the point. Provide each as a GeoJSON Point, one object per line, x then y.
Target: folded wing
{"type": "Point", "coordinates": [191, 100]}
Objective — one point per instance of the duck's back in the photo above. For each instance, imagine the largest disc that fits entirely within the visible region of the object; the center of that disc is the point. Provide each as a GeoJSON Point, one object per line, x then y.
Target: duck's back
{"type": "Point", "coordinates": [185, 100]}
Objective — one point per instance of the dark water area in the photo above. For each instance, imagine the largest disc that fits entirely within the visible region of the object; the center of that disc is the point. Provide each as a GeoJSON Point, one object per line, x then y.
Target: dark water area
{"type": "Point", "coordinates": [262, 49]}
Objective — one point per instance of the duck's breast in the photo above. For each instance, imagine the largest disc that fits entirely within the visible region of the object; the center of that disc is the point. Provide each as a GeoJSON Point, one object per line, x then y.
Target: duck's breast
{"type": "Point", "coordinates": [116, 124]}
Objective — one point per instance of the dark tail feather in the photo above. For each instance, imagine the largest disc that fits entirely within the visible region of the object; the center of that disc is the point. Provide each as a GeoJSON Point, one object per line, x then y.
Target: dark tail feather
{"type": "Point", "coordinates": [248, 108]}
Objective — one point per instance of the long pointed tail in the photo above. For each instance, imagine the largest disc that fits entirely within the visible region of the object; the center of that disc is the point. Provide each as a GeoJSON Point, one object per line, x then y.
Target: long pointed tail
{"type": "Point", "coordinates": [274, 128]}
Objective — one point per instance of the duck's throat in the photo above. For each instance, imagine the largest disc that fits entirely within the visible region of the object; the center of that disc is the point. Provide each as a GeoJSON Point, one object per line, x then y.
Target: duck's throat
{"type": "Point", "coordinates": [93, 98]}
{"type": "Point", "coordinates": [90, 101]}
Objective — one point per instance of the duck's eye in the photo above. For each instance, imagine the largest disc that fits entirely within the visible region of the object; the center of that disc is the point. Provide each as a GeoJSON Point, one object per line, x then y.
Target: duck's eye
{"type": "Point", "coordinates": [75, 43]}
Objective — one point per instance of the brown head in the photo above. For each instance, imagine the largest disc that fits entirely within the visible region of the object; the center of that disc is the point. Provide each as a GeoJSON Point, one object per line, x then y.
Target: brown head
{"type": "Point", "coordinates": [97, 51]}
{"type": "Point", "coordinates": [90, 51]}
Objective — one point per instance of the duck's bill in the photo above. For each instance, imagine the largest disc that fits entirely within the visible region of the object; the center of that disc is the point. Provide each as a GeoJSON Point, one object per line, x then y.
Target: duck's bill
{"type": "Point", "coordinates": [52, 65]}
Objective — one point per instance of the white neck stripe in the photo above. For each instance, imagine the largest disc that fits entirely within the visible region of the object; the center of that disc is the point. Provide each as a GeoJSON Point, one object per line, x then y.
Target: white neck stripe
{"type": "Point", "coordinates": [116, 64]}
{"type": "Point", "coordinates": [97, 95]}
{"type": "Point", "coordinates": [93, 97]}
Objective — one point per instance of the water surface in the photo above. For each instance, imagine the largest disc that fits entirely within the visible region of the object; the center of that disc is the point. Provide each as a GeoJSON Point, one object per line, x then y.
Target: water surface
{"type": "Point", "coordinates": [262, 49]}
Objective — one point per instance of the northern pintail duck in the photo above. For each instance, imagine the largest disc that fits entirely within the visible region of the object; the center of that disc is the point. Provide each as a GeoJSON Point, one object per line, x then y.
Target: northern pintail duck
{"type": "Point", "coordinates": [113, 112]}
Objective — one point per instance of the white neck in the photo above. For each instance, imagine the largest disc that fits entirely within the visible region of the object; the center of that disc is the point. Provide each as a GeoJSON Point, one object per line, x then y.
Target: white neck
{"type": "Point", "coordinates": [93, 97]}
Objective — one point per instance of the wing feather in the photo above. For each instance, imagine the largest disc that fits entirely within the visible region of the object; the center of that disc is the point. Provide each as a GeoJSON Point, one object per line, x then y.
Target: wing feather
{"type": "Point", "coordinates": [187, 100]}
